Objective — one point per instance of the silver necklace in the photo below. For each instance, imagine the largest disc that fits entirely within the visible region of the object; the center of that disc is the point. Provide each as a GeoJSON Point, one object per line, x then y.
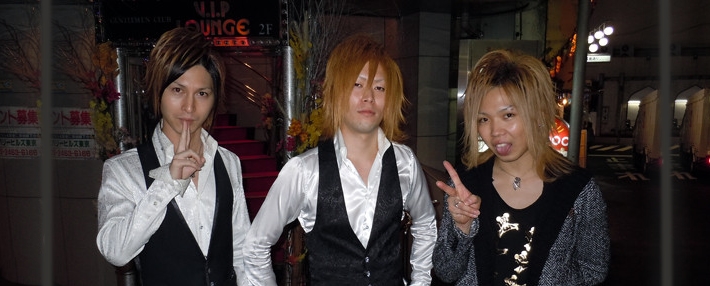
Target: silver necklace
{"type": "Point", "coordinates": [516, 180]}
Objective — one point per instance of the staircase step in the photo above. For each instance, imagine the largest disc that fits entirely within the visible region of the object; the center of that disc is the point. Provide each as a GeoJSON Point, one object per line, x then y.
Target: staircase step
{"type": "Point", "coordinates": [244, 147]}
{"type": "Point", "coordinates": [259, 170]}
{"type": "Point", "coordinates": [225, 119]}
{"type": "Point", "coordinates": [258, 163]}
{"type": "Point", "coordinates": [255, 182]}
{"type": "Point", "coordinates": [230, 133]}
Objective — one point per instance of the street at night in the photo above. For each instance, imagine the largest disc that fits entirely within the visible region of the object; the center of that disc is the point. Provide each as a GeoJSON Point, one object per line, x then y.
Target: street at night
{"type": "Point", "coordinates": [635, 215]}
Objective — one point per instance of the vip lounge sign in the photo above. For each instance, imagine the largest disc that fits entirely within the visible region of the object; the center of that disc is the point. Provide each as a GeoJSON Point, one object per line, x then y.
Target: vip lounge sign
{"type": "Point", "coordinates": [141, 22]}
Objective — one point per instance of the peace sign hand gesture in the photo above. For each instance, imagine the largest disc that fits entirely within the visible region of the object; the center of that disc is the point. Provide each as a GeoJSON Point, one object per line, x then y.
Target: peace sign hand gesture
{"type": "Point", "coordinates": [463, 205]}
{"type": "Point", "coordinates": [186, 162]}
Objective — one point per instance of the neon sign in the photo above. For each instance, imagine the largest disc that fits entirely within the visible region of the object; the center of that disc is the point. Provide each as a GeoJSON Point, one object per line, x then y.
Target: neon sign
{"type": "Point", "coordinates": [127, 22]}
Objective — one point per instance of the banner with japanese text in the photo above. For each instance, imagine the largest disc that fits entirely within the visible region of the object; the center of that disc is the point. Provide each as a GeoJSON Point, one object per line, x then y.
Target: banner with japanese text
{"type": "Point", "coordinates": [72, 133]}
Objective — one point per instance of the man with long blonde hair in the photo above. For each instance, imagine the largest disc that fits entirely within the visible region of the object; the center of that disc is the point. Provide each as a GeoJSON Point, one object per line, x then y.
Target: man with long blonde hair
{"type": "Point", "coordinates": [351, 193]}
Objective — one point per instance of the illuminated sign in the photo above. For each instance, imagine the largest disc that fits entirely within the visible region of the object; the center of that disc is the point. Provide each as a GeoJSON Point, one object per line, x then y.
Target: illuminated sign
{"type": "Point", "coordinates": [560, 136]}
{"type": "Point", "coordinates": [141, 22]}
{"type": "Point", "coordinates": [598, 58]}
{"type": "Point", "coordinates": [244, 41]}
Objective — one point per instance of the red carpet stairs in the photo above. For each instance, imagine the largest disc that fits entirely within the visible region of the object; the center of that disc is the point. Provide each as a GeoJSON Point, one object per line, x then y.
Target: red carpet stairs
{"type": "Point", "coordinates": [259, 170]}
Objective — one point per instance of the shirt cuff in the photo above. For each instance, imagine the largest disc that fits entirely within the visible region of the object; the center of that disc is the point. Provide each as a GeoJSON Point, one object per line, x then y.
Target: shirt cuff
{"type": "Point", "coordinates": [162, 174]}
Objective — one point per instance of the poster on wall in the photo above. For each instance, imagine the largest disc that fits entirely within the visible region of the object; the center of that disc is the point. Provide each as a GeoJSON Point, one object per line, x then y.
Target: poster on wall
{"type": "Point", "coordinates": [19, 132]}
{"type": "Point", "coordinates": [72, 135]}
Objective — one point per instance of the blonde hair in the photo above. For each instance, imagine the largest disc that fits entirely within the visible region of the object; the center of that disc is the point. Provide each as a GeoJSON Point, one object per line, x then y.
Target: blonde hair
{"type": "Point", "coordinates": [344, 65]}
{"type": "Point", "coordinates": [529, 88]}
{"type": "Point", "coordinates": [177, 51]}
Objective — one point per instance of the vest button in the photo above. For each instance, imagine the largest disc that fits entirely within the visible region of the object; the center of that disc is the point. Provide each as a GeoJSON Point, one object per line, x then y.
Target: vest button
{"type": "Point", "coordinates": [367, 273]}
{"type": "Point", "coordinates": [367, 259]}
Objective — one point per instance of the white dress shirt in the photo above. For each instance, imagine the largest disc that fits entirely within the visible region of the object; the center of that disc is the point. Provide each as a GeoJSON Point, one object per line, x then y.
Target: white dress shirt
{"type": "Point", "coordinates": [294, 195]}
{"type": "Point", "coordinates": [129, 213]}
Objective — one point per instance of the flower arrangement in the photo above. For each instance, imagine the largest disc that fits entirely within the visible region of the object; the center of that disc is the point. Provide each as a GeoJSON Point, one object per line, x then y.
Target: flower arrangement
{"type": "Point", "coordinates": [304, 134]}
{"type": "Point", "coordinates": [100, 83]}
{"type": "Point", "coordinates": [94, 66]}
{"type": "Point", "coordinates": [314, 28]}
{"type": "Point", "coordinates": [304, 129]}
{"type": "Point", "coordinates": [268, 111]}
{"type": "Point", "coordinates": [271, 113]}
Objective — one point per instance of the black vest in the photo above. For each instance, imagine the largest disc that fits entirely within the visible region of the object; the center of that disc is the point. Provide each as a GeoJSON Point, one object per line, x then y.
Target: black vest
{"type": "Point", "coordinates": [335, 254]}
{"type": "Point", "coordinates": [172, 255]}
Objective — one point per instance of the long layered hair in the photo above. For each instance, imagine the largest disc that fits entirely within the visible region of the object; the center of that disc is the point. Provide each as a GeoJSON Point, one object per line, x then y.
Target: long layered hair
{"type": "Point", "coordinates": [175, 52]}
{"type": "Point", "coordinates": [343, 68]}
{"type": "Point", "coordinates": [529, 87]}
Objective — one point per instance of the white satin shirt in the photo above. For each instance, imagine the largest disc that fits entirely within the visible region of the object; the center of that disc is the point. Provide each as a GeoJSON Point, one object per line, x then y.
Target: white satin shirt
{"type": "Point", "coordinates": [294, 195]}
{"type": "Point", "coordinates": [129, 214]}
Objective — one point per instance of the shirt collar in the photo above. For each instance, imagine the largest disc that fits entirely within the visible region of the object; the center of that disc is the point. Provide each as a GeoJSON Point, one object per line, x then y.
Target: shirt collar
{"type": "Point", "coordinates": [341, 151]}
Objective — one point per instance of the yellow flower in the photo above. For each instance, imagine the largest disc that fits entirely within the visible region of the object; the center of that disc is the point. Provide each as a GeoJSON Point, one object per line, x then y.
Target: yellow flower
{"type": "Point", "coordinates": [303, 136]}
{"type": "Point", "coordinates": [103, 128]}
{"type": "Point", "coordinates": [104, 59]}
{"type": "Point", "coordinates": [295, 128]}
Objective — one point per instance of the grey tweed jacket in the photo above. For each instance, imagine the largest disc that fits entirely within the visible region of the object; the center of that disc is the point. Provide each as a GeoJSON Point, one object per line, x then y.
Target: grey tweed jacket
{"type": "Point", "coordinates": [578, 256]}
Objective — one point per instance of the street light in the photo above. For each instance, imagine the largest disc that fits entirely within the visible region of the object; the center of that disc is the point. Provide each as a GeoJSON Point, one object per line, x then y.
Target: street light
{"type": "Point", "coordinates": [603, 41]}
{"type": "Point", "coordinates": [593, 47]}
{"type": "Point", "coordinates": [599, 37]}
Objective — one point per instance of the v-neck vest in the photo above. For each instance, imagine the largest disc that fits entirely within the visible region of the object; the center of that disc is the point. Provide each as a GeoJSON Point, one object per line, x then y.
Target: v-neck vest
{"type": "Point", "coordinates": [172, 256]}
{"type": "Point", "coordinates": [335, 255]}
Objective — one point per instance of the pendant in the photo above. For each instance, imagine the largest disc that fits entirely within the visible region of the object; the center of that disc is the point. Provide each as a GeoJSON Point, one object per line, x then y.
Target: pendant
{"type": "Point", "coordinates": [516, 183]}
